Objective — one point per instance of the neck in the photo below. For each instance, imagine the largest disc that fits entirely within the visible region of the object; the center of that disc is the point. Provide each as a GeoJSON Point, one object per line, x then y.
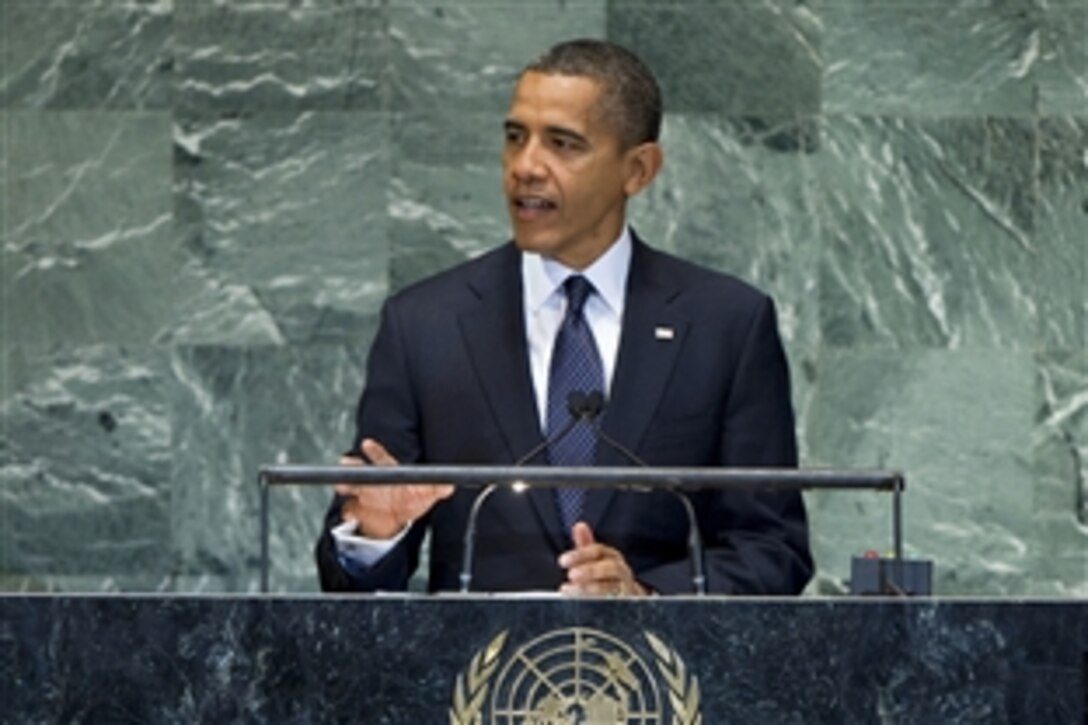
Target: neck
{"type": "Point", "coordinates": [581, 259]}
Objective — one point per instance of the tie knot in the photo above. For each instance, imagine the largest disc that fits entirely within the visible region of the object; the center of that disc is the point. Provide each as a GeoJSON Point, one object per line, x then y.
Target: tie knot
{"type": "Point", "coordinates": [578, 290]}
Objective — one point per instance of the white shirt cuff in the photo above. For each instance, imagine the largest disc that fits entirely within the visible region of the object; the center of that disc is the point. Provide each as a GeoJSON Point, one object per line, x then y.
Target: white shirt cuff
{"type": "Point", "coordinates": [359, 550]}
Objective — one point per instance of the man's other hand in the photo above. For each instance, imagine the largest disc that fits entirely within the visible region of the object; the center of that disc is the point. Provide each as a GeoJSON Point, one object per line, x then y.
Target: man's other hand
{"type": "Point", "coordinates": [596, 569]}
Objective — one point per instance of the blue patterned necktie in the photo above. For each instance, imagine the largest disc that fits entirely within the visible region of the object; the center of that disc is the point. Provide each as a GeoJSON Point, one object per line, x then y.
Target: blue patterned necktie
{"type": "Point", "coordinates": [576, 366]}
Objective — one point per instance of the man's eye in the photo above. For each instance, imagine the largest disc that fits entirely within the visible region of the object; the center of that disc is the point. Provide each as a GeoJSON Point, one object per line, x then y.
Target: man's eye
{"type": "Point", "coordinates": [513, 136]}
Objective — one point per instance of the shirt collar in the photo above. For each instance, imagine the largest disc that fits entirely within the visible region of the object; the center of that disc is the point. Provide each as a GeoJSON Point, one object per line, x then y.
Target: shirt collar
{"type": "Point", "coordinates": [543, 276]}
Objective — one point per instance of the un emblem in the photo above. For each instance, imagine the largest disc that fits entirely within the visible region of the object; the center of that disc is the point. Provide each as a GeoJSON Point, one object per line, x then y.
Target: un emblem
{"type": "Point", "coordinates": [575, 675]}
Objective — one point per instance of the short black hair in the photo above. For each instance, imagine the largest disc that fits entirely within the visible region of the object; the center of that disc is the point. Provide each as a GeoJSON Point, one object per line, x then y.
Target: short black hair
{"type": "Point", "coordinates": [630, 98]}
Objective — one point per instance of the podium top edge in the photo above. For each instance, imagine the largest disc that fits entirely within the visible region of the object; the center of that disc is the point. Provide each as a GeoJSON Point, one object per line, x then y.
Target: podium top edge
{"type": "Point", "coordinates": [586, 476]}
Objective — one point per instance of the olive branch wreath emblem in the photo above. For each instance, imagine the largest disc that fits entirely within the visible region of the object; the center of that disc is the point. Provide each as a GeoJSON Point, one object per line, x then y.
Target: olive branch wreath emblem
{"type": "Point", "coordinates": [683, 688]}
{"type": "Point", "coordinates": [472, 686]}
{"type": "Point", "coordinates": [470, 690]}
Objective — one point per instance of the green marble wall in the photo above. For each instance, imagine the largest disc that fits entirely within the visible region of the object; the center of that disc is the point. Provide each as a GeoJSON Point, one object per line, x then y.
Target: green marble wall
{"type": "Point", "coordinates": [204, 202]}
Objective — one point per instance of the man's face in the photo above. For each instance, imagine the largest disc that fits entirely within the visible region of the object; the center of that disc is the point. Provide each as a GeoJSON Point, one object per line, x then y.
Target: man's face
{"type": "Point", "coordinates": [565, 174]}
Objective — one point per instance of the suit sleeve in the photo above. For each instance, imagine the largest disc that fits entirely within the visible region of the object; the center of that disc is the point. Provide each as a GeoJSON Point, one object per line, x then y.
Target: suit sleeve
{"type": "Point", "coordinates": [387, 413]}
{"type": "Point", "coordinates": [755, 543]}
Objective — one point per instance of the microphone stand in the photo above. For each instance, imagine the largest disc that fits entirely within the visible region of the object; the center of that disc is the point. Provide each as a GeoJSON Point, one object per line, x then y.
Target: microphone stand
{"type": "Point", "coordinates": [576, 404]}
{"type": "Point", "coordinates": [470, 536]}
{"type": "Point", "coordinates": [595, 401]}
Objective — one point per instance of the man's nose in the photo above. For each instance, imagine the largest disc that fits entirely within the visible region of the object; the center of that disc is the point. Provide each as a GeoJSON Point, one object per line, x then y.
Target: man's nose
{"type": "Point", "coordinates": [526, 161]}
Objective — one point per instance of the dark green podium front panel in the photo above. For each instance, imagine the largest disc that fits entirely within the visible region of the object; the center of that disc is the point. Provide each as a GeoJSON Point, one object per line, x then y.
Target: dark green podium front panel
{"type": "Point", "coordinates": [128, 659]}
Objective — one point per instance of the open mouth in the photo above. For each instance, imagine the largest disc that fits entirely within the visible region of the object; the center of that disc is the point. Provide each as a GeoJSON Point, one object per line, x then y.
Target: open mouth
{"type": "Point", "coordinates": [530, 207]}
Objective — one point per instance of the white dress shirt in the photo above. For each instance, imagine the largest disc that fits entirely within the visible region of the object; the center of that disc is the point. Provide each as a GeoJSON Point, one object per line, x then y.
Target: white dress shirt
{"type": "Point", "coordinates": [544, 304]}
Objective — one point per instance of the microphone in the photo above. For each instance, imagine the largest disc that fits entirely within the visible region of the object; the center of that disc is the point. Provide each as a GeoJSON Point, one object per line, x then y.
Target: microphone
{"type": "Point", "coordinates": [586, 407]}
{"type": "Point", "coordinates": [581, 408]}
{"type": "Point", "coordinates": [595, 402]}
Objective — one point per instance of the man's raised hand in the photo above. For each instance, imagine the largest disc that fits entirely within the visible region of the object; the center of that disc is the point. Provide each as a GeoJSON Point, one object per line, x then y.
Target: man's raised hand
{"type": "Point", "coordinates": [382, 512]}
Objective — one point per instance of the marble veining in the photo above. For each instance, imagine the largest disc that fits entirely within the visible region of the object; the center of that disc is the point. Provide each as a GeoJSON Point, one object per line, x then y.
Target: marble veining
{"type": "Point", "coordinates": [284, 212]}
{"type": "Point", "coordinates": [87, 225]}
{"type": "Point", "coordinates": [256, 56]}
{"type": "Point", "coordinates": [85, 463]}
{"type": "Point", "coordinates": [962, 58]}
{"type": "Point", "coordinates": [75, 56]}
{"type": "Point", "coordinates": [745, 59]}
{"type": "Point", "coordinates": [203, 204]}
{"type": "Point", "coordinates": [928, 226]}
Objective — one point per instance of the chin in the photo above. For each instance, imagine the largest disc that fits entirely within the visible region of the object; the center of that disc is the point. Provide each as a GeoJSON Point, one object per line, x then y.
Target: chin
{"type": "Point", "coordinates": [535, 243]}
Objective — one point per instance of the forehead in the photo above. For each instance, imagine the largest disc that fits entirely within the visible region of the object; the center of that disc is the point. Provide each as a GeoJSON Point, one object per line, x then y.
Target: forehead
{"type": "Point", "coordinates": [553, 99]}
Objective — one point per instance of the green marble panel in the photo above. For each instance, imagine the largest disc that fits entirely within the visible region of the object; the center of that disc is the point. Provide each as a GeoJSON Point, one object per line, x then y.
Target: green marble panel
{"type": "Point", "coordinates": [115, 582]}
{"type": "Point", "coordinates": [282, 5]}
{"type": "Point", "coordinates": [803, 369]}
{"type": "Point", "coordinates": [257, 57]}
{"type": "Point", "coordinates": [964, 426]}
{"type": "Point", "coordinates": [445, 200]}
{"type": "Point", "coordinates": [738, 58]}
{"type": "Point", "coordinates": [5, 252]}
{"type": "Point", "coordinates": [283, 216]}
{"type": "Point", "coordinates": [88, 213]}
{"type": "Point", "coordinates": [931, 275]}
{"type": "Point", "coordinates": [1062, 221]}
{"type": "Point", "coordinates": [960, 425]}
{"type": "Point", "coordinates": [953, 57]}
{"type": "Point", "coordinates": [928, 232]}
{"type": "Point", "coordinates": [85, 461]}
{"type": "Point", "coordinates": [734, 195]}
{"type": "Point", "coordinates": [466, 56]}
{"type": "Point", "coordinates": [846, 407]}
{"type": "Point", "coordinates": [964, 461]}
{"type": "Point", "coordinates": [1063, 69]}
{"type": "Point", "coordinates": [72, 56]}
{"type": "Point", "coordinates": [1060, 506]}
{"type": "Point", "coordinates": [847, 417]}
{"type": "Point", "coordinates": [234, 409]}
{"type": "Point", "coordinates": [165, 4]}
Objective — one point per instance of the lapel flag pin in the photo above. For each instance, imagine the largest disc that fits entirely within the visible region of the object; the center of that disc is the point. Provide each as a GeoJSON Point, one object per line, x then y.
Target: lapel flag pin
{"type": "Point", "coordinates": [664, 333]}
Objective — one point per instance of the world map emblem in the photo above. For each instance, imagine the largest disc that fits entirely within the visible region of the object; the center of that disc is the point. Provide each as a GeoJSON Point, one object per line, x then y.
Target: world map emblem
{"type": "Point", "coordinates": [575, 675]}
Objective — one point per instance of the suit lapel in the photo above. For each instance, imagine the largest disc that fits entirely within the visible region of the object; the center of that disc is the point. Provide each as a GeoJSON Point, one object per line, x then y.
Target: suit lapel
{"type": "Point", "coordinates": [652, 335]}
{"type": "Point", "coordinates": [494, 334]}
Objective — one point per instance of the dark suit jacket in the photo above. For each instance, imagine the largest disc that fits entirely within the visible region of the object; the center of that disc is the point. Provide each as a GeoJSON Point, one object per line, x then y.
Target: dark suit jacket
{"type": "Point", "coordinates": [448, 381]}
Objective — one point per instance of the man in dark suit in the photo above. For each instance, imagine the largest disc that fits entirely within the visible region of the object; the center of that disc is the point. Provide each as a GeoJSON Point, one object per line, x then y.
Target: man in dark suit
{"type": "Point", "coordinates": [462, 367]}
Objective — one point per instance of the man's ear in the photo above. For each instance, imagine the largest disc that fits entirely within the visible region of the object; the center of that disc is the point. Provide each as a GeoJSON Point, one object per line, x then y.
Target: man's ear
{"type": "Point", "coordinates": [643, 163]}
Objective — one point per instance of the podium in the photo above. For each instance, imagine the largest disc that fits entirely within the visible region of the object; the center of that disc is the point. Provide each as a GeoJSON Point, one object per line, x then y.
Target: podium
{"type": "Point", "coordinates": [505, 659]}
{"type": "Point", "coordinates": [404, 660]}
